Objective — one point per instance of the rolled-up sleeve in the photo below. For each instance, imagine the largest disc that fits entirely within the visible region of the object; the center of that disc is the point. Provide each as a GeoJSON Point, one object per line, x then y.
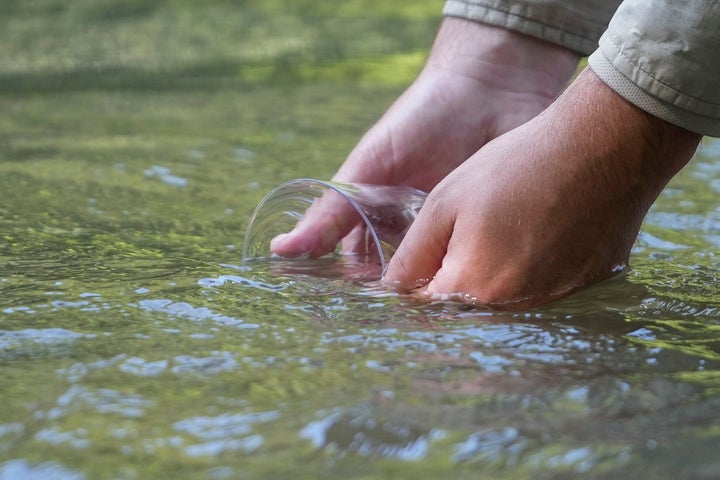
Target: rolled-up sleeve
{"type": "Point", "coordinates": [576, 25]}
{"type": "Point", "coordinates": [664, 57]}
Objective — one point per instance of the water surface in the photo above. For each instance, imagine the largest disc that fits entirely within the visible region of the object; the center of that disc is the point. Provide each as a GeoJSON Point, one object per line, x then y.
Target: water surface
{"type": "Point", "coordinates": [138, 136]}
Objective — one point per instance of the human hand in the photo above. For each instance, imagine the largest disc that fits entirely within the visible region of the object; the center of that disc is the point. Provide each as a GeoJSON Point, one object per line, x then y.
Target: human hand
{"type": "Point", "coordinates": [545, 209]}
{"type": "Point", "coordinates": [479, 82]}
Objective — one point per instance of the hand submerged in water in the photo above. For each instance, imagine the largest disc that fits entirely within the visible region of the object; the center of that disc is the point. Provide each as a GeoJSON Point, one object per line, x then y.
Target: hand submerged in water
{"type": "Point", "coordinates": [548, 208]}
{"type": "Point", "coordinates": [540, 211]}
{"type": "Point", "coordinates": [478, 83]}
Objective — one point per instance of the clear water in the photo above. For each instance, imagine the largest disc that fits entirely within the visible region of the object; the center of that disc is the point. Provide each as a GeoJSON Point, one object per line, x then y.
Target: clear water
{"type": "Point", "coordinates": [136, 138]}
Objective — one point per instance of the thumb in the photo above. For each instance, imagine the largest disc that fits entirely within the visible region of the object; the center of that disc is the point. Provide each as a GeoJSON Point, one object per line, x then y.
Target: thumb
{"type": "Point", "coordinates": [420, 255]}
{"type": "Point", "coordinates": [328, 220]}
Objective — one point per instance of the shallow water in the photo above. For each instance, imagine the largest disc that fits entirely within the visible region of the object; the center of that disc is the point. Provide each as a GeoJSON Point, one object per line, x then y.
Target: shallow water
{"type": "Point", "coordinates": [135, 344]}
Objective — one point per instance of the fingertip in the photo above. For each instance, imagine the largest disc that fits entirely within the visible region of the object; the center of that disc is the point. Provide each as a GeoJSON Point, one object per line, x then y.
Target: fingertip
{"type": "Point", "coordinates": [415, 263]}
{"type": "Point", "coordinates": [282, 245]}
{"type": "Point", "coordinates": [408, 277]}
{"type": "Point", "coordinates": [292, 244]}
{"type": "Point", "coordinates": [401, 286]}
{"type": "Point", "coordinates": [304, 240]}
{"type": "Point", "coordinates": [396, 275]}
{"type": "Point", "coordinates": [278, 241]}
{"type": "Point", "coordinates": [432, 292]}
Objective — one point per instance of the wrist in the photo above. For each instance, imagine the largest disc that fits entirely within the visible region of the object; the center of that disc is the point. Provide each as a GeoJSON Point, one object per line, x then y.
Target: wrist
{"type": "Point", "coordinates": [501, 58]}
{"type": "Point", "coordinates": [637, 150]}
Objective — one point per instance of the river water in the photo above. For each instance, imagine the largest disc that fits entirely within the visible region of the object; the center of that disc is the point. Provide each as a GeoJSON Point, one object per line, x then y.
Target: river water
{"type": "Point", "coordinates": [135, 141]}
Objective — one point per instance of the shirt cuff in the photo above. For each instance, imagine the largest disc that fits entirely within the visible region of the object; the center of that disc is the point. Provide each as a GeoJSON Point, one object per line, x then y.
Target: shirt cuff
{"type": "Point", "coordinates": [555, 22]}
{"type": "Point", "coordinates": [653, 105]}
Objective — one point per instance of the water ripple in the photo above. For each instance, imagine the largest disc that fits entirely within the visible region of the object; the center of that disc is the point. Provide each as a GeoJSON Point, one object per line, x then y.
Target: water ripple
{"type": "Point", "coordinates": [367, 435]}
{"type": "Point", "coordinates": [185, 310]}
{"type": "Point", "coordinates": [44, 336]}
{"type": "Point", "coordinates": [22, 469]}
{"type": "Point", "coordinates": [223, 433]}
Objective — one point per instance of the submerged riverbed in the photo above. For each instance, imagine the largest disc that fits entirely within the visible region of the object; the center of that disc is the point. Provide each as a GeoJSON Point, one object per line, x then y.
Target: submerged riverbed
{"type": "Point", "coordinates": [136, 139]}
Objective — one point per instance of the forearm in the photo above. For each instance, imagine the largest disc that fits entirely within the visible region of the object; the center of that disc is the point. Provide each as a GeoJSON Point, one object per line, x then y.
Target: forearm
{"type": "Point", "coordinates": [501, 58]}
{"type": "Point", "coordinates": [605, 120]}
{"type": "Point", "coordinates": [622, 154]}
